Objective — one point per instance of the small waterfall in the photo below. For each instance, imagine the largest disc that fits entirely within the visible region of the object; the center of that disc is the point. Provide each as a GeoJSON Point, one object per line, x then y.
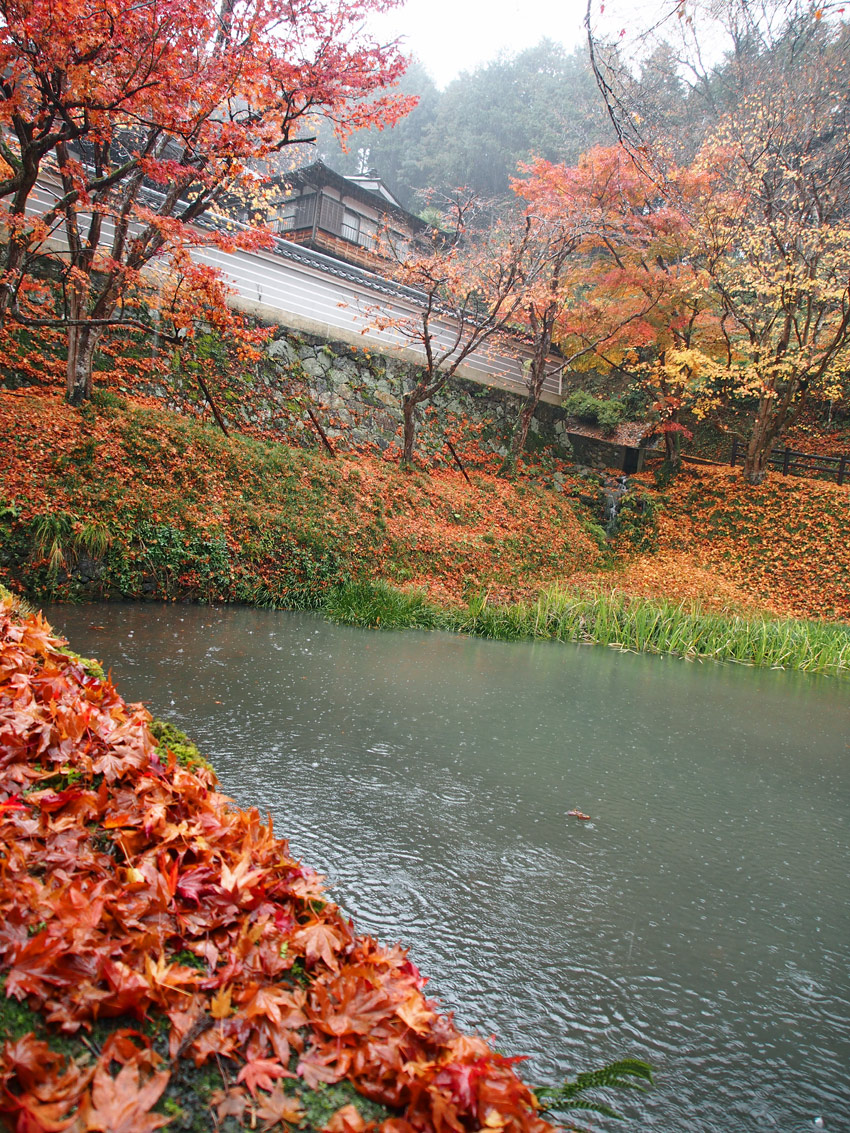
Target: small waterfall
{"type": "Point", "coordinates": [613, 490]}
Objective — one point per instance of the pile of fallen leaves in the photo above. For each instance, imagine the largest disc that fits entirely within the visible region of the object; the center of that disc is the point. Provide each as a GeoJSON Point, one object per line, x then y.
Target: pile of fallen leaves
{"type": "Point", "coordinates": [782, 543]}
{"type": "Point", "coordinates": [149, 480]}
{"type": "Point", "coordinates": [131, 888]}
{"type": "Point", "coordinates": [779, 548]}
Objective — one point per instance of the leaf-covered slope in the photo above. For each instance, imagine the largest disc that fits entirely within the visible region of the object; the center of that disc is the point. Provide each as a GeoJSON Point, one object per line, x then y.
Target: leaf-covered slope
{"type": "Point", "coordinates": [154, 505]}
{"type": "Point", "coordinates": [131, 889]}
{"type": "Point", "coordinates": [782, 547]}
{"type": "Point", "coordinates": [138, 502]}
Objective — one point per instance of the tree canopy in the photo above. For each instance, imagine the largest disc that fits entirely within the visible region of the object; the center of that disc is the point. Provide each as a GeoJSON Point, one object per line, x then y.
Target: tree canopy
{"type": "Point", "coordinates": [143, 118]}
{"type": "Point", "coordinates": [762, 190]}
{"type": "Point", "coordinates": [540, 102]}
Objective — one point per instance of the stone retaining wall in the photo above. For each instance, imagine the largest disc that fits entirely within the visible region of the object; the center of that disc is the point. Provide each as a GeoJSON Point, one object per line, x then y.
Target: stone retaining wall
{"type": "Point", "coordinates": [357, 397]}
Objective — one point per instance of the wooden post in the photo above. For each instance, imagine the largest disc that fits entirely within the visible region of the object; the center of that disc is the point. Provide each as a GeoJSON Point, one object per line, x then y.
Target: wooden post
{"type": "Point", "coordinates": [206, 392]}
{"type": "Point", "coordinates": [734, 455]}
{"type": "Point", "coordinates": [786, 460]}
{"type": "Point", "coordinates": [842, 465]}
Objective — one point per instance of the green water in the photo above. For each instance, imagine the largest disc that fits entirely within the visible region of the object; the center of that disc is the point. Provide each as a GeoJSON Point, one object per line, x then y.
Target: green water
{"type": "Point", "coordinates": [699, 920]}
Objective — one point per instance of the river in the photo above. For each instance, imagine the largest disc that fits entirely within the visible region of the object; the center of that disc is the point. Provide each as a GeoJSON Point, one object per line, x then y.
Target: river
{"type": "Point", "coordinates": [699, 920]}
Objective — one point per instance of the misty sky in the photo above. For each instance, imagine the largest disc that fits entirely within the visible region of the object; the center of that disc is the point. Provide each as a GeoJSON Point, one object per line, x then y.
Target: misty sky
{"type": "Point", "coordinates": [450, 36]}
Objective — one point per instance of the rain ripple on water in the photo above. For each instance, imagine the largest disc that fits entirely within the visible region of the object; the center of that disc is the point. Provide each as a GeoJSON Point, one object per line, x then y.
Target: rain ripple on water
{"type": "Point", "coordinates": [699, 920]}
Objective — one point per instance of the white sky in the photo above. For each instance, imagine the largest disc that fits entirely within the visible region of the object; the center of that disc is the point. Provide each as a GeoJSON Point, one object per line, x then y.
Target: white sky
{"type": "Point", "coordinates": [450, 36]}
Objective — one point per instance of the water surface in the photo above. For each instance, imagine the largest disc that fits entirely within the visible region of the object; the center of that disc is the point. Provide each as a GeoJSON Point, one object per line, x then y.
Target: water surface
{"type": "Point", "coordinates": [699, 920]}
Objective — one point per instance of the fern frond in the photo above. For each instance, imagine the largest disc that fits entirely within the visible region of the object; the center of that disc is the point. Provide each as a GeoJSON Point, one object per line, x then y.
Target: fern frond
{"type": "Point", "coordinates": [619, 1075]}
{"type": "Point", "coordinates": [594, 1107]}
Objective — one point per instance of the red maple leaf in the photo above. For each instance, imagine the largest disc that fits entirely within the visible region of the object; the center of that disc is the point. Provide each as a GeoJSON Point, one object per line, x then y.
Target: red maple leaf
{"type": "Point", "coordinates": [320, 942]}
{"type": "Point", "coordinates": [260, 1073]}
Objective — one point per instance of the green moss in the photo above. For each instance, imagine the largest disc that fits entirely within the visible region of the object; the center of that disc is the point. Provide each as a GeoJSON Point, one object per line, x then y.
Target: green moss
{"type": "Point", "coordinates": [92, 667]}
{"type": "Point", "coordinates": [188, 1098]}
{"type": "Point", "coordinates": [172, 739]}
{"type": "Point", "coordinates": [107, 399]}
{"type": "Point", "coordinates": [323, 1102]}
{"type": "Point", "coordinates": [16, 1019]}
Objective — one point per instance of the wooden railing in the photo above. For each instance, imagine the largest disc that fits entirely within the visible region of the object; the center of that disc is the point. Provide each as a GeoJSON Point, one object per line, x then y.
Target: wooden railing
{"type": "Point", "coordinates": [788, 461]}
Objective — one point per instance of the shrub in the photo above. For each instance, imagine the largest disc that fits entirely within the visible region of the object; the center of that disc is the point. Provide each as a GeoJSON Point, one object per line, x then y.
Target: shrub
{"type": "Point", "coordinates": [593, 410]}
{"type": "Point", "coordinates": [637, 520]}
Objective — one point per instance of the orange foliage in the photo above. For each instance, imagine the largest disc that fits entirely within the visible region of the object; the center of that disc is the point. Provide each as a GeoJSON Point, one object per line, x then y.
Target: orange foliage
{"type": "Point", "coordinates": [442, 534]}
{"type": "Point", "coordinates": [778, 548]}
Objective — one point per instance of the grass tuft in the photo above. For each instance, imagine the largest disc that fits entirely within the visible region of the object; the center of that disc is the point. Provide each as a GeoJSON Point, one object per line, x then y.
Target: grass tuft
{"type": "Point", "coordinates": [379, 605]}
{"type": "Point", "coordinates": [636, 625]}
{"type": "Point", "coordinates": [680, 630]}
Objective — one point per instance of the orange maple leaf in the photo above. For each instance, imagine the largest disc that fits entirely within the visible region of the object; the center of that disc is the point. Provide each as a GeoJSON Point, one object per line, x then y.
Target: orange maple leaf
{"type": "Point", "coordinates": [240, 877]}
{"type": "Point", "coordinates": [279, 1108]}
{"type": "Point", "coordinates": [346, 1120]}
{"type": "Point", "coordinates": [220, 1007]}
{"type": "Point", "coordinates": [229, 1103]}
{"type": "Point", "coordinates": [320, 942]}
{"type": "Point", "coordinates": [281, 1007]}
{"type": "Point", "coordinates": [415, 1012]}
{"type": "Point", "coordinates": [122, 1104]}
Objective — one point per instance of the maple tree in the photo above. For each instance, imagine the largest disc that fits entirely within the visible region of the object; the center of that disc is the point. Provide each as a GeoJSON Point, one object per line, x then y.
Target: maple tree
{"type": "Point", "coordinates": [551, 243]}
{"type": "Point", "coordinates": [139, 120]}
{"type": "Point", "coordinates": [609, 278]}
{"type": "Point", "coordinates": [466, 288]}
{"type": "Point", "coordinates": [767, 214]}
{"type": "Point", "coordinates": [774, 239]}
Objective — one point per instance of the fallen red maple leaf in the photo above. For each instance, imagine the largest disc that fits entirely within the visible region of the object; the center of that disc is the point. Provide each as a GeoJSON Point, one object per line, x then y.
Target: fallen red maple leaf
{"type": "Point", "coordinates": [12, 803]}
{"type": "Point", "coordinates": [278, 1108]}
{"type": "Point", "coordinates": [260, 1073]}
{"type": "Point", "coordinates": [320, 942]}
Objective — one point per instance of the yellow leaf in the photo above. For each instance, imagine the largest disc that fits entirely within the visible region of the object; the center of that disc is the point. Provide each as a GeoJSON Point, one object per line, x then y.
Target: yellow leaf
{"type": "Point", "coordinates": [220, 1007]}
{"type": "Point", "coordinates": [494, 1120]}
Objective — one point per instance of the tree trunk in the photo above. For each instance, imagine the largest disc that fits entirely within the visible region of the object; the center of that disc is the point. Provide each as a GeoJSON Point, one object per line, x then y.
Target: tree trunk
{"type": "Point", "coordinates": [673, 450]}
{"type": "Point", "coordinates": [768, 424]}
{"type": "Point", "coordinates": [520, 435]}
{"type": "Point", "coordinates": [409, 440]}
{"type": "Point", "coordinates": [534, 387]}
{"type": "Point", "coordinates": [14, 258]}
{"type": "Point", "coordinates": [782, 408]}
{"type": "Point", "coordinates": [16, 246]}
{"type": "Point", "coordinates": [82, 343]}
{"type": "Point", "coordinates": [758, 450]}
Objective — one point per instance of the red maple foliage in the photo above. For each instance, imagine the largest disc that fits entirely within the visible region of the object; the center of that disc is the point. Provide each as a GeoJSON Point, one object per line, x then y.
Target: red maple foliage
{"type": "Point", "coordinates": [107, 881]}
{"type": "Point", "coordinates": [125, 124]}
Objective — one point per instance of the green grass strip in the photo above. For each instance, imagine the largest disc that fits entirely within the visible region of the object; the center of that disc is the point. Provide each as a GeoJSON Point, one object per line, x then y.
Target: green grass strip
{"type": "Point", "coordinates": [633, 624]}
